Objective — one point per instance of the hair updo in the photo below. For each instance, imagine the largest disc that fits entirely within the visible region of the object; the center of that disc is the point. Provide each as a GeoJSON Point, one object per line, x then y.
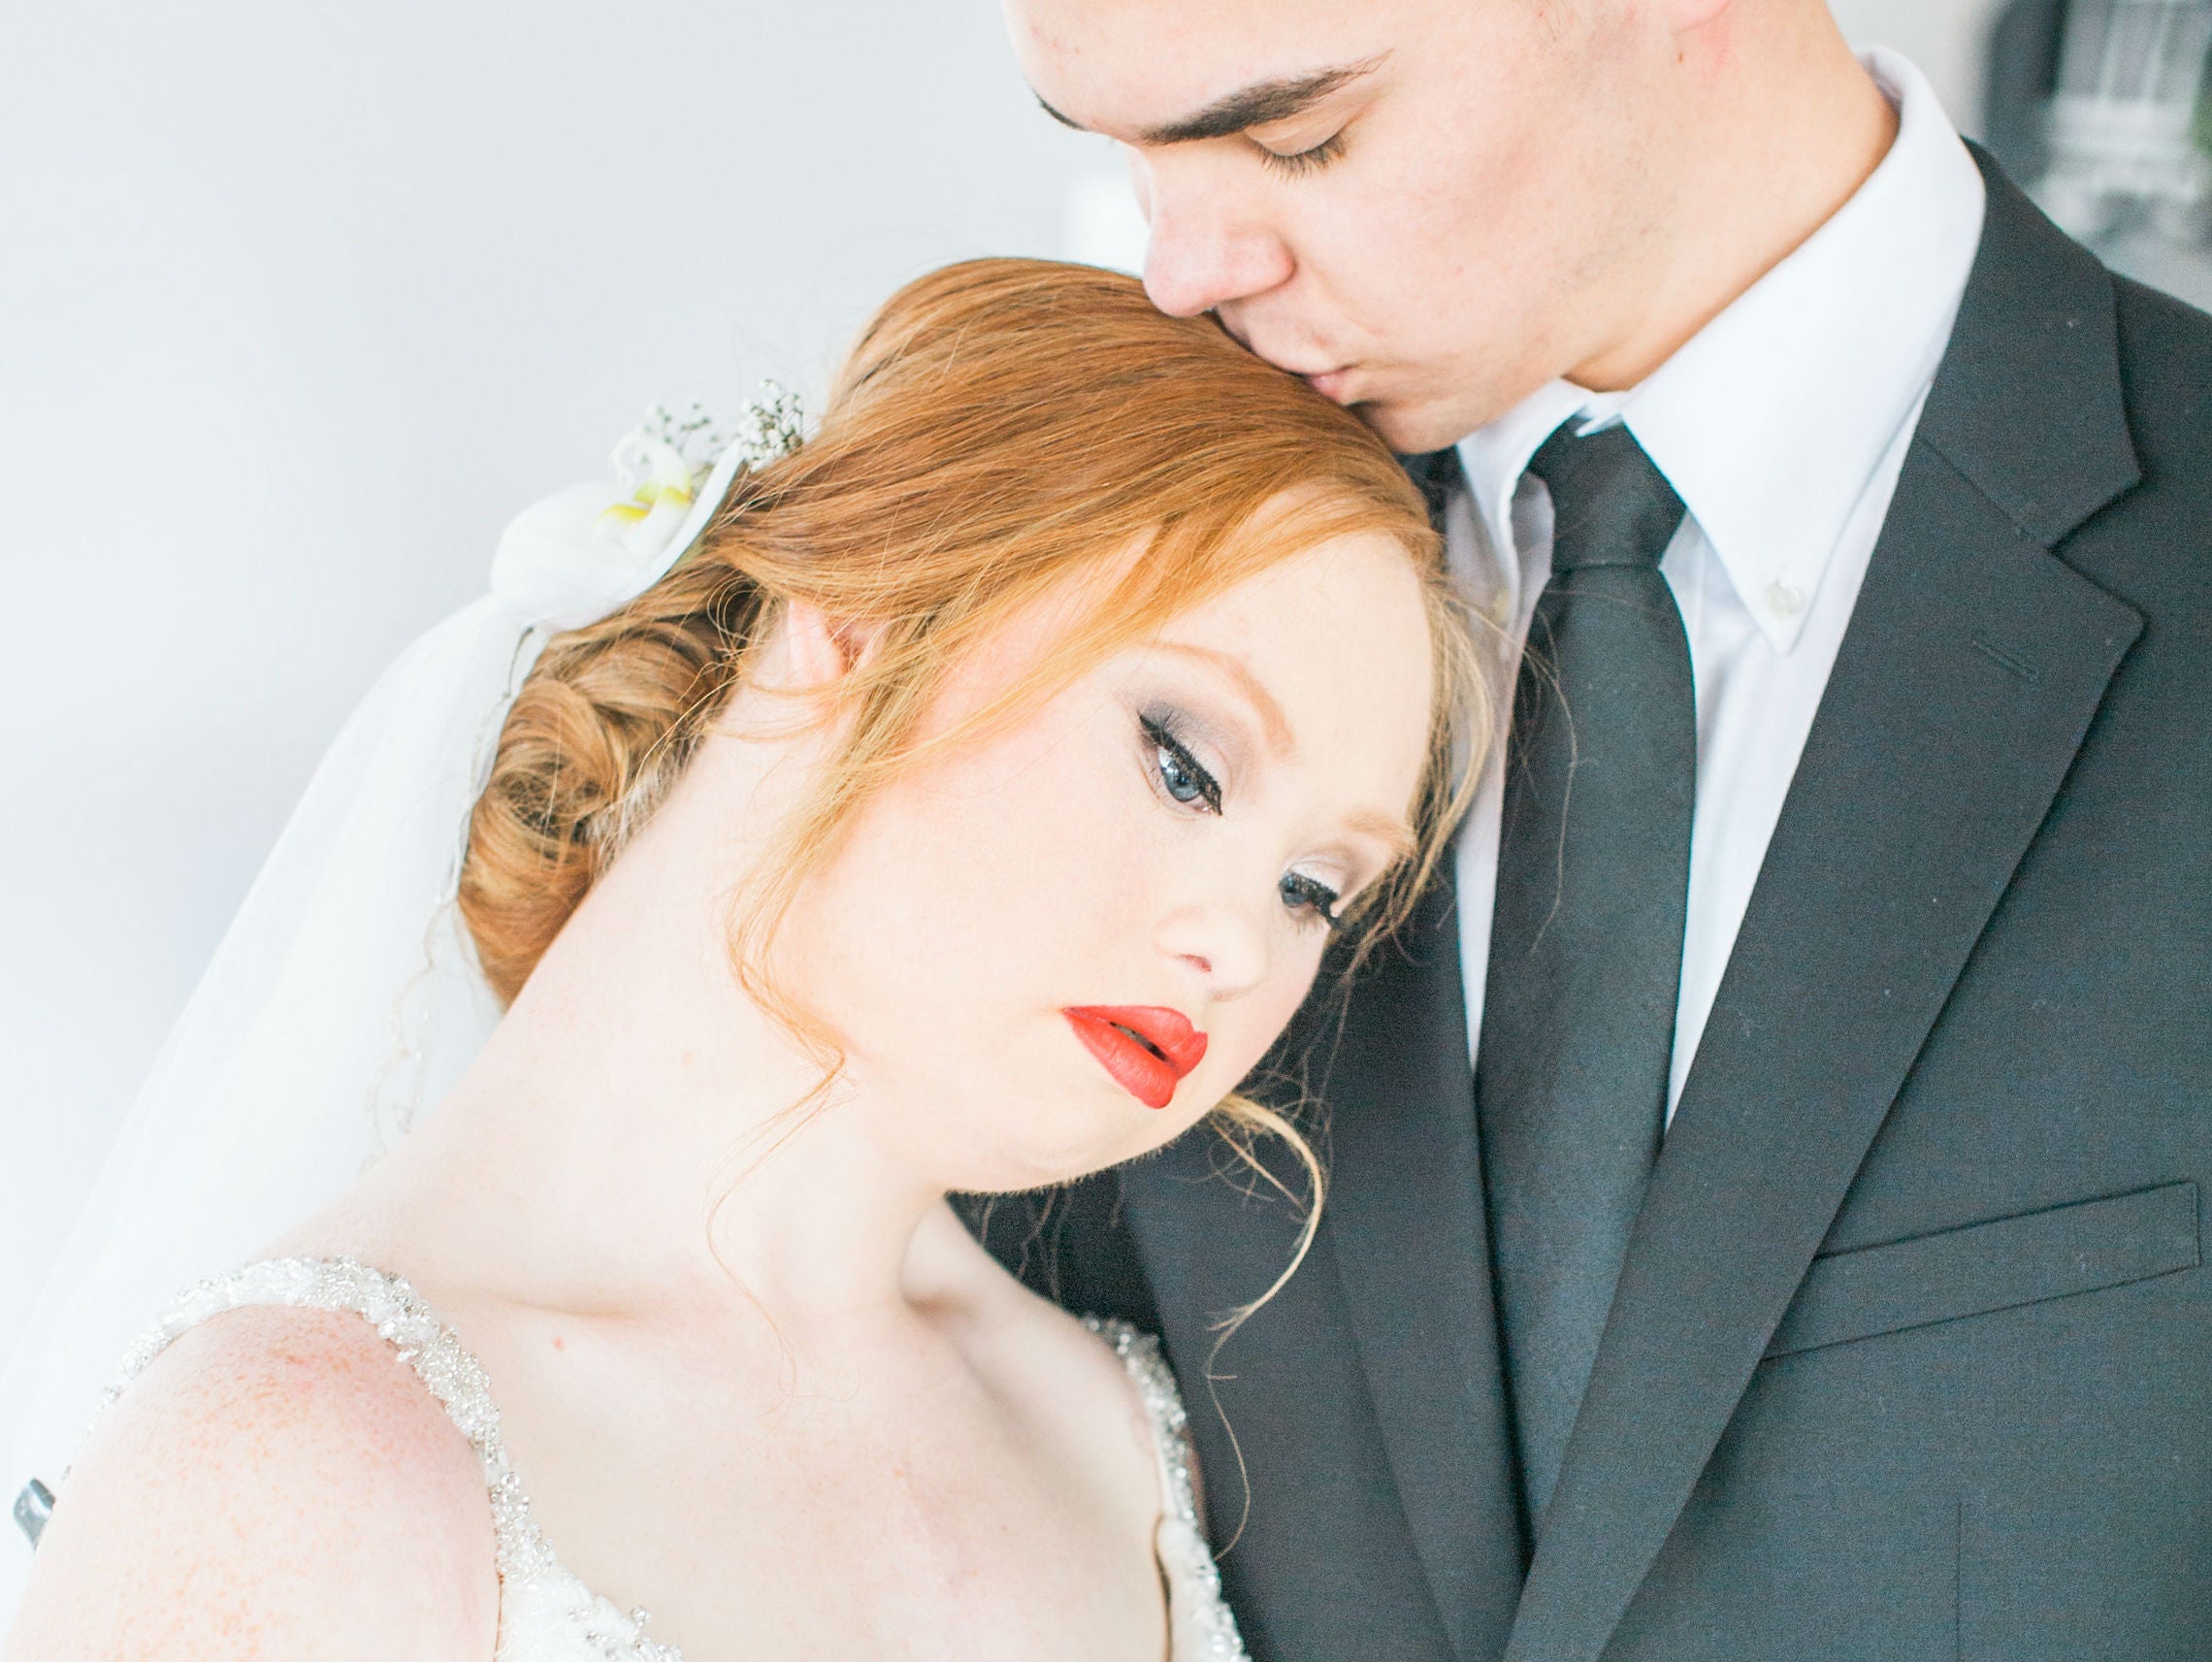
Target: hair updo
{"type": "Point", "coordinates": [1000, 426]}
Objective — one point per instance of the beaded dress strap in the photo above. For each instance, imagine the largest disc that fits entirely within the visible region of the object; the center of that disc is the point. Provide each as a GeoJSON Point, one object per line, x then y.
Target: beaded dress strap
{"type": "Point", "coordinates": [1202, 1628]}
{"type": "Point", "coordinates": [450, 1374]}
{"type": "Point", "coordinates": [1201, 1623]}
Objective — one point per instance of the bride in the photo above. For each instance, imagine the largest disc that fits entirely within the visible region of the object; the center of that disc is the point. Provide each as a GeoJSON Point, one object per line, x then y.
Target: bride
{"type": "Point", "coordinates": [966, 808]}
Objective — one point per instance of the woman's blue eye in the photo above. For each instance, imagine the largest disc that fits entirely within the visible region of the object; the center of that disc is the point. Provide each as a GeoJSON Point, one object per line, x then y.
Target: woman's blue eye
{"type": "Point", "coordinates": [1303, 893]}
{"type": "Point", "coordinates": [1181, 775]}
{"type": "Point", "coordinates": [1183, 778]}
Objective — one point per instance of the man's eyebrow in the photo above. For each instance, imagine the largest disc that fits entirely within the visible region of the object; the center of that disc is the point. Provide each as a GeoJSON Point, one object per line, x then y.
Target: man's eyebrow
{"type": "Point", "coordinates": [1255, 106]}
{"type": "Point", "coordinates": [1261, 102]}
{"type": "Point", "coordinates": [1063, 120]}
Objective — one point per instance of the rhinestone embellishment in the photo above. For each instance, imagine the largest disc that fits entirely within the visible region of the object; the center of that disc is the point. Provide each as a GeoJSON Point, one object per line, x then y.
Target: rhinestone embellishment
{"type": "Point", "coordinates": [1201, 1627]}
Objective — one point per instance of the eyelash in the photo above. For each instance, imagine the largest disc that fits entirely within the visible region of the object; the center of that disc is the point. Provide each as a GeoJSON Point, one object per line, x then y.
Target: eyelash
{"type": "Point", "coordinates": [1301, 895]}
{"type": "Point", "coordinates": [1171, 754]}
{"type": "Point", "coordinates": [1301, 162]}
{"type": "Point", "coordinates": [1314, 898]}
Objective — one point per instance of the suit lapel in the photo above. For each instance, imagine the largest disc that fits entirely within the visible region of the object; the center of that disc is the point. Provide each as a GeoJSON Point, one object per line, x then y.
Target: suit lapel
{"type": "Point", "coordinates": [1317, 1551]}
{"type": "Point", "coordinates": [1405, 1224]}
{"type": "Point", "coordinates": [1366, 1397]}
{"type": "Point", "coordinates": [1974, 663]}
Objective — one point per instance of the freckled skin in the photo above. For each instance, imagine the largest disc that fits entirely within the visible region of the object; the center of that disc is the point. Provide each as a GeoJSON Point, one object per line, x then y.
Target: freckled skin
{"type": "Point", "coordinates": [279, 1486]}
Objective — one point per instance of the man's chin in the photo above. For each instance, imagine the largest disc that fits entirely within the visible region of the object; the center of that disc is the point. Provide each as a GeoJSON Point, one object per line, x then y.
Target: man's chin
{"type": "Point", "coordinates": [1411, 427]}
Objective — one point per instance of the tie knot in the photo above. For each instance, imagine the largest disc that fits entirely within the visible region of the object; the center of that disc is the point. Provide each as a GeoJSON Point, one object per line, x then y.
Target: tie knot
{"type": "Point", "coordinates": [1609, 505]}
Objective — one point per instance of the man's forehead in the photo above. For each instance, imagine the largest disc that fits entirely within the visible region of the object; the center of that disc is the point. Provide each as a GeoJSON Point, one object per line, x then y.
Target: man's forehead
{"type": "Point", "coordinates": [1133, 68]}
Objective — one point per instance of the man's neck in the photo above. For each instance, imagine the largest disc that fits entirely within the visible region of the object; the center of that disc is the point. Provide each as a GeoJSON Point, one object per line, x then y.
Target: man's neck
{"type": "Point", "coordinates": [1780, 155]}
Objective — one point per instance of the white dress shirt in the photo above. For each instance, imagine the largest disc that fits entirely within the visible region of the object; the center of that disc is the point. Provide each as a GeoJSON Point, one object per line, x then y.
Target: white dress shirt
{"type": "Point", "coordinates": [1782, 424]}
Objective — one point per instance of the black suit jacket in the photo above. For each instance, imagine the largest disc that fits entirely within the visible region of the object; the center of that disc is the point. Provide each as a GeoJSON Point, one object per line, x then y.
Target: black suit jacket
{"type": "Point", "coordinates": [1911, 1355]}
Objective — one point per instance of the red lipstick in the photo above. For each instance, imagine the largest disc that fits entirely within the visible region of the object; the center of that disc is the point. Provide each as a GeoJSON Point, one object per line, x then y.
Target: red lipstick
{"type": "Point", "coordinates": [1147, 1048]}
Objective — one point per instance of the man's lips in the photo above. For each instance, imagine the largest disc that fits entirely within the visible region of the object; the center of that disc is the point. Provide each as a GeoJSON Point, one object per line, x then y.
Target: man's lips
{"type": "Point", "coordinates": [1331, 384]}
{"type": "Point", "coordinates": [1146, 1048]}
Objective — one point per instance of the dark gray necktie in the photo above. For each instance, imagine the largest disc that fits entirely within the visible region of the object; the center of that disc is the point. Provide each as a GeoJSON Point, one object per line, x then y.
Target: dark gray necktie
{"type": "Point", "coordinates": [1587, 939]}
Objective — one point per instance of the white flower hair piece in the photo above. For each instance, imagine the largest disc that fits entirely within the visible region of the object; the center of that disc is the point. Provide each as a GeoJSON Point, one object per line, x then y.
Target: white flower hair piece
{"type": "Point", "coordinates": [771, 427]}
{"type": "Point", "coordinates": [666, 460]}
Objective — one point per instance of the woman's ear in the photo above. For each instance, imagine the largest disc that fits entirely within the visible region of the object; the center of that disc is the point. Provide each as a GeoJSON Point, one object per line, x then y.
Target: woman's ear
{"type": "Point", "coordinates": [820, 650]}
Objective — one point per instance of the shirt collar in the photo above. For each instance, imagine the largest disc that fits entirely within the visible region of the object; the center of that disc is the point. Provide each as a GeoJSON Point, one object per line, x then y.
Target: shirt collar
{"type": "Point", "coordinates": [1770, 421]}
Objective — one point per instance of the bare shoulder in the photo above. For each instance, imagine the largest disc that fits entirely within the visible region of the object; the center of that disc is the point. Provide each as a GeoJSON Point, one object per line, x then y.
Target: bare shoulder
{"type": "Point", "coordinates": [276, 1483]}
{"type": "Point", "coordinates": [1052, 1366]}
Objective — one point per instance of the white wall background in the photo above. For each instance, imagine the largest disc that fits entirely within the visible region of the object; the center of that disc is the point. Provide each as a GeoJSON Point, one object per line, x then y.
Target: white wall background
{"type": "Point", "coordinates": [299, 302]}
{"type": "Point", "coordinates": [1945, 38]}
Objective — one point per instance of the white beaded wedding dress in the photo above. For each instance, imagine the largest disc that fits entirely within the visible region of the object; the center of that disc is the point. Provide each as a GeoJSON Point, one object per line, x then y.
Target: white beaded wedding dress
{"type": "Point", "coordinates": [546, 1615]}
{"type": "Point", "coordinates": [345, 1002]}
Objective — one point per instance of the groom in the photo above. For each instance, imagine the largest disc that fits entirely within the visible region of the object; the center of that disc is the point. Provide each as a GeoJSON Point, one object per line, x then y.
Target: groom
{"type": "Point", "coordinates": [1764, 1217]}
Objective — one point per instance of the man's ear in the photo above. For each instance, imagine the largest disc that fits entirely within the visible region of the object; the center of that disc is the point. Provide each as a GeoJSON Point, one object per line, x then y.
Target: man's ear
{"type": "Point", "coordinates": [820, 650]}
{"type": "Point", "coordinates": [1683, 16]}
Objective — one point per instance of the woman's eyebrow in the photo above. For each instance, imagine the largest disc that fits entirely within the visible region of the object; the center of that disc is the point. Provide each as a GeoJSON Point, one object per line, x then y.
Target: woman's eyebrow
{"type": "Point", "coordinates": [1273, 725]}
{"type": "Point", "coordinates": [1387, 828]}
{"type": "Point", "coordinates": [1390, 830]}
{"type": "Point", "coordinates": [1258, 105]}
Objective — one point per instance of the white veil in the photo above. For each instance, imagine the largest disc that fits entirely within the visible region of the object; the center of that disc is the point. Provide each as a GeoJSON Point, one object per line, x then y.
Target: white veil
{"type": "Point", "coordinates": [344, 996]}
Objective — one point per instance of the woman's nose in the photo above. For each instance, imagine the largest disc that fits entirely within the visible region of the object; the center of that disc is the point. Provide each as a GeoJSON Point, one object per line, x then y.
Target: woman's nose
{"type": "Point", "coordinates": [1227, 951]}
{"type": "Point", "coordinates": [1200, 255]}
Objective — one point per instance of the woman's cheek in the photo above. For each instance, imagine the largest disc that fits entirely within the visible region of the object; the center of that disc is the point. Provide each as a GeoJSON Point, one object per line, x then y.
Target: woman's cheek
{"type": "Point", "coordinates": [1247, 1028]}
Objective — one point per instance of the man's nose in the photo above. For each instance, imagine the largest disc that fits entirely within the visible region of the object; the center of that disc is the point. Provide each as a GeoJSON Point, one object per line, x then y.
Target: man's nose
{"type": "Point", "coordinates": [1201, 252]}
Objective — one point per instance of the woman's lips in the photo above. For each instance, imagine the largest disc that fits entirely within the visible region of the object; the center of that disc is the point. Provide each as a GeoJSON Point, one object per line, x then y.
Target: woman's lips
{"type": "Point", "coordinates": [1145, 1048]}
